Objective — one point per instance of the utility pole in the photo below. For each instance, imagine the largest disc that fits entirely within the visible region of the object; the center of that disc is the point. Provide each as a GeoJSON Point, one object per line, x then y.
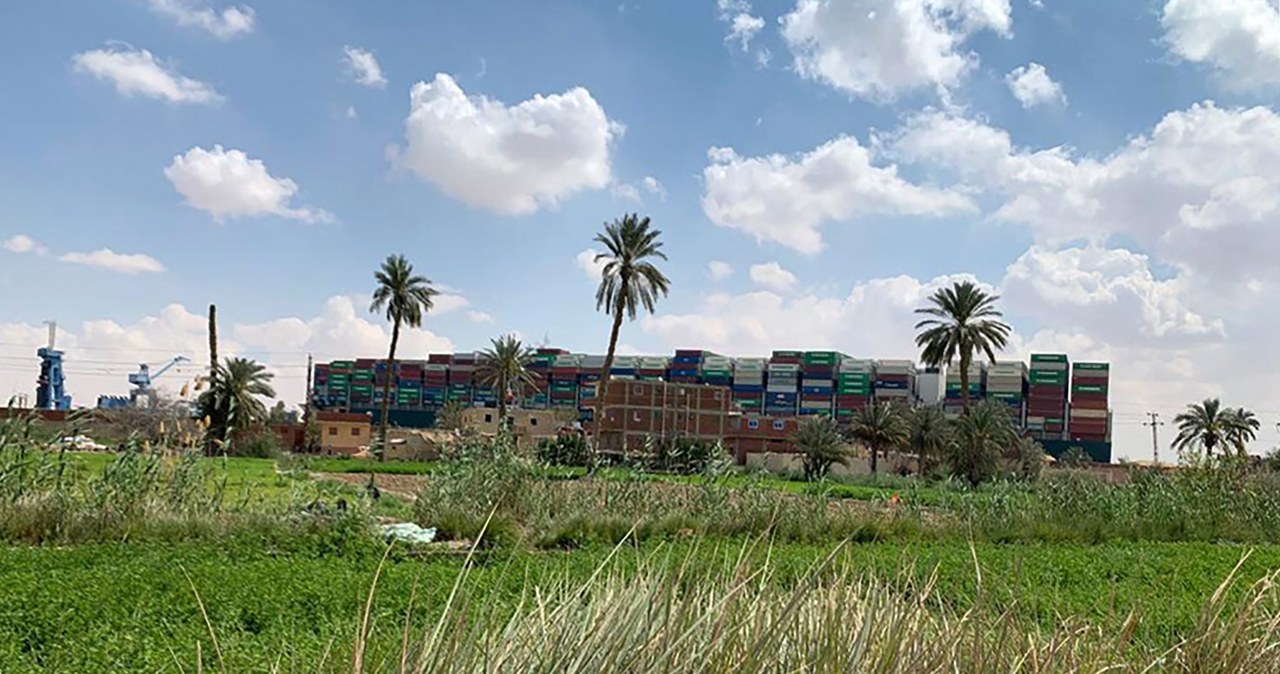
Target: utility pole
{"type": "Point", "coordinates": [1155, 424]}
{"type": "Point", "coordinates": [306, 409]}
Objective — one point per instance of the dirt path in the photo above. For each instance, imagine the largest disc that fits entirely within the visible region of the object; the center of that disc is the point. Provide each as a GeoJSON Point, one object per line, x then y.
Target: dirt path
{"type": "Point", "coordinates": [400, 486]}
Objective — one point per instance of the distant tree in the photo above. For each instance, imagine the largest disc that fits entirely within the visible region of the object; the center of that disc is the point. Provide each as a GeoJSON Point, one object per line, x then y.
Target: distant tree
{"type": "Point", "coordinates": [449, 418]}
{"type": "Point", "coordinates": [279, 414]}
{"type": "Point", "coordinates": [404, 298]}
{"type": "Point", "coordinates": [1271, 461]}
{"type": "Point", "coordinates": [820, 443]}
{"type": "Point", "coordinates": [504, 367]}
{"type": "Point", "coordinates": [1210, 426]}
{"type": "Point", "coordinates": [1075, 457]}
{"type": "Point", "coordinates": [880, 427]}
{"type": "Point", "coordinates": [929, 433]}
{"type": "Point", "coordinates": [1027, 459]}
{"type": "Point", "coordinates": [629, 281]}
{"type": "Point", "coordinates": [233, 402]}
{"type": "Point", "coordinates": [962, 320]}
{"type": "Point", "coordinates": [981, 437]}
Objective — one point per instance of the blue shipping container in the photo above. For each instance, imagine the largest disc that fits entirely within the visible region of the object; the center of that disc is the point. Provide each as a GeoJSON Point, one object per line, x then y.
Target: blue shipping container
{"type": "Point", "coordinates": [687, 360]}
{"type": "Point", "coordinates": [747, 388]}
{"type": "Point", "coordinates": [818, 390]}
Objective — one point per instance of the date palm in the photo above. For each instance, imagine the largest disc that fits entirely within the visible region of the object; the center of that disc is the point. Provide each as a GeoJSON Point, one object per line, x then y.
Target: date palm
{"type": "Point", "coordinates": [962, 320]}
{"type": "Point", "coordinates": [980, 439]}
{"type": "Point", "coordinates": [819, 441]}
{"type": "Point", "coordinates": [929, 431]}
{"type": "Point", "coordinates": [1211, 426]}
{"type": "Point", "coordinates": [629, 281]}
{"type": "Point", "coordinates": [233, 401]}
{"type": "Point", "coordinates": [504, 367]}
{"type": "Point", "coordinates": [879, 427]}
{"type": "Point", "coordinates": [404, 298]}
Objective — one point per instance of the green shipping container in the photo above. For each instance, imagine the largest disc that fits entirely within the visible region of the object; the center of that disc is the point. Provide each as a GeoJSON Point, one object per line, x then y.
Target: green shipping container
{"type": "Point", "coordinates": [1083, 388]}
{"type": "Point", "coordinates": [1096, 367]}
{"type": "Point", "coordinates": [342, 365]}
{"type": "Point", "coordinates": [1048, 358]}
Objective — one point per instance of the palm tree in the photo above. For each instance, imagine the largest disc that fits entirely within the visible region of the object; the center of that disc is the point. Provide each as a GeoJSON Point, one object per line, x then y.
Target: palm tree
{"type": "Point", "coordinates": [928, 435]}
{"type": "Point", "coordinates": [233, 401]}
{"type": "Point", "coordinates": [879, 426]}
{"type": "Point", "coordinates": [962, 319]}
{"type": "Point", "coordinates": [405, 298]}
{"type": "Point", "coordinates": [1210, 426]}
{"type": "Point", "coordinates": [629, 280]}
{"type": "Point", "coordinates": [818, 439]}
{"type": "Point", "coordinates": [505, 368]}
{"type": "Point", "coordinates": [981, 437]}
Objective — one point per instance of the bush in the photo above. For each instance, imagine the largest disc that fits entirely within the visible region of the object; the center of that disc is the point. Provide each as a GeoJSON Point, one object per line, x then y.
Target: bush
{"type": "Point", "coordinates": [258, 444]}
{"type": "Point", "coordinates": [565, 450]}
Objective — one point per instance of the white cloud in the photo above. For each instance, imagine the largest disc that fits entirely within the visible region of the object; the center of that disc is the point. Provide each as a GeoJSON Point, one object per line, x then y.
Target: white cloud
{"type": "Point", "coordinates": [586, 261]}
{"type": "Point", "coordinates": [784, 199]}
{"type": "Point", "coordinates": [507, 159]}
{"type": "Point", "coordinates": [625, 191]}
{"type": "Point", "coordinates": [878, 49]}
{"type": "Point", "coordinates": [446, 302]}
{"type": "Point", "coordinates": [231, 22]}
{"type": "Point", "coordinates": [742, 24]}
{"type": "Point", "coordinates": [351, 112]}
{"type": "Point", "coordinates": [137, 72]}
{"type": "Point", "coordinates": [479, 317]}
{"type": "Point", "coordinates": [1032, 86]}
{"type": "Point", "coordinates": [719, 270]}
{"type": "Point", "coordinates": [1169, 190]}
{"type": "Point", "coordinates": [21, 243]}
{"type": "Point", "coordinates": [228, 184]}
{"type": "Point", "coordinates": [652, 186]}
{"type": "Point", "coordinates": [125, 263]}
{"type": "Point", "coordinates": [1240, 39]}
{"type": "Point", "coordinates": [771, 276]}
{"type": "Point", "coordinates": [363, 67]}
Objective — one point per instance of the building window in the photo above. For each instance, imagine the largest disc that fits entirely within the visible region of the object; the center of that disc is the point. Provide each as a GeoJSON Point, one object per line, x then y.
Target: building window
{"type": "Point", "coordinates": [718, 395]}
{"type": "Point", "coordinates": [639, 390]}
{"type": "Point", "coordinates": [488, 418]}
{"type": "Point", "coordinates": [333, 430]}
{"type": "Point", "coordinates": [355, 432]}
{"type": "Point", "coordinates": [779, 425]}
{"type": "Point", "coordinates": [753, 424]}
{"type": "Point", "coordinates": [533, 421]}
{"type": "Point", "coordinates": [635, 416]}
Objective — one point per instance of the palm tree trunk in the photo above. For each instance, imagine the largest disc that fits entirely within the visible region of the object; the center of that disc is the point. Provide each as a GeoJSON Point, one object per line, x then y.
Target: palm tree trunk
{"type": "Point", "coordinates": [386, 391]}
{"type": "Point", "coordinates": [213, 369]}
{"type": "Point", "coordinates": [502, 404]}
{"type": "Point", "coordinates": [874, 455]}
{"type": "Point", "coordinates": [965, 359]}
{"type": "Point", "coordinates": [608, 357]}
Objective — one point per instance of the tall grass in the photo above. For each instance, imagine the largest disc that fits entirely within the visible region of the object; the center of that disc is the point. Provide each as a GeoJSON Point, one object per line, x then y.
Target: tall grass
{"type": "Point", "coordinates": [49, 496]}
{"type": "Point", "coordinates": [663, 619]}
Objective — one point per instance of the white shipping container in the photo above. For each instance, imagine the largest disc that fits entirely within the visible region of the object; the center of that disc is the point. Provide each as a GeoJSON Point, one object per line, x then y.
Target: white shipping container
{"type": "Point", "coordinates": [1089, 414]}
{"type": "Point", "coordinates": [1049, 367]}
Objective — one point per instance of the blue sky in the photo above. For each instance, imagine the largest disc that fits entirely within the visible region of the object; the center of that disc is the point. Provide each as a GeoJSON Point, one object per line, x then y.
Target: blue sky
{"type": "Point", "coordinates": [1121, 214]}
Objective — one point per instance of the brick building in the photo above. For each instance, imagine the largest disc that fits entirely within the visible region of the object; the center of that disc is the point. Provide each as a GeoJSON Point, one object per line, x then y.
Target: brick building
{"type": "Point", "coordinates": [633, 411]}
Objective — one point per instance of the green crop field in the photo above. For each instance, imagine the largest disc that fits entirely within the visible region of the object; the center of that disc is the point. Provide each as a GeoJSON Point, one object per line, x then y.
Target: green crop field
{"type": "Point", "coordinates": [130, 607]}
{"type": "Point", "coordinates": [170, 562]}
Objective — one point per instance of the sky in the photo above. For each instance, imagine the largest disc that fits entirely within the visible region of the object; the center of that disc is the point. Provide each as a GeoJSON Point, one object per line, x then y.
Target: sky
{"type": "Point", "coordinates": [817, 168]}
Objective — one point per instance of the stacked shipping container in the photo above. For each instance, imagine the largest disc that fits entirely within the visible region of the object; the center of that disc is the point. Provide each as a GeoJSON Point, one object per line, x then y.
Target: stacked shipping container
{"type": "Point", "coordinates": [895, 382]}
{"type": "Point", "coordinates": [1090, 417]}
{"type": "Point", "coordinates": [782, 385]}
{"type": "Point", "coordinates": [854, 381]}
{"type": "Point", "coordinates": [748, 384]}
{"type": "Point", "coordinates": [953, 400]}
{"type": "Point", "coordinates": [1047, 395]}
{"type": "Point", "coordinates": [1053, 401]}
{"type": "Point", "coordinates": [1007, 383]}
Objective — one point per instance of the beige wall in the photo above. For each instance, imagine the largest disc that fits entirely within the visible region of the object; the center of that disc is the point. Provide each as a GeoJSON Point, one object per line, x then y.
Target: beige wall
{"type": "Point", "coordinates": [794, 463]}
{"type": "Point", "coordinates": [344, 437]}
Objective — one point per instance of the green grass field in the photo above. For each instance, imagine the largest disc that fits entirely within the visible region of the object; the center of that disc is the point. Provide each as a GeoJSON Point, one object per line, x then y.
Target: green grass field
{"type": "Point", "coordinates": [130, 607]}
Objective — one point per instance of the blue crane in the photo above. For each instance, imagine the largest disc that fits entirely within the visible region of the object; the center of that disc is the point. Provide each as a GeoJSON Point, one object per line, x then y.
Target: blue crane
{"type": "Point", "coordinates": [142, 379]}
{"type": "Point", "coordinates": [51, 391]}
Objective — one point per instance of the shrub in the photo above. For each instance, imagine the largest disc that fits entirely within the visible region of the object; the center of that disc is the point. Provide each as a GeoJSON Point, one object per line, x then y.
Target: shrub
{"type": "Point", "coordinates": [565, 450]}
